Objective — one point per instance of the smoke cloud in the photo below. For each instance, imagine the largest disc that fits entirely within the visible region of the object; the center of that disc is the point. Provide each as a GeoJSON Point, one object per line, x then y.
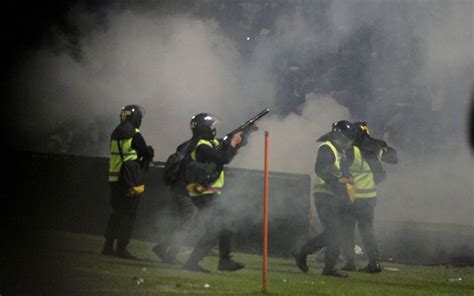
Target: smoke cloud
{"type": "Point", "coordinates": [405, 67]}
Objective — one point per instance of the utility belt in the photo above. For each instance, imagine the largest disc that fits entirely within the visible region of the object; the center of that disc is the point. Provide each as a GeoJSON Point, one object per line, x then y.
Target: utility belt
{"type": "Point", "coordinates": [196, 189]}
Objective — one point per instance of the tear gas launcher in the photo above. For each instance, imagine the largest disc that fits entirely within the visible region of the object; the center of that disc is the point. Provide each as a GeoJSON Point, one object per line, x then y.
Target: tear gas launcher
{"type": "Point", "coordinates": [246, 128]}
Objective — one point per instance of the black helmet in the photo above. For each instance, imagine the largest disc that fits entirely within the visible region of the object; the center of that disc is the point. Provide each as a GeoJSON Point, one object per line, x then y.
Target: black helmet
{"type": "Point", "coordinates": [203, 125]}
{"type": "Point", "coordinates": [346, 129]}
{"type": "Point", "coordinates": [132, 113]}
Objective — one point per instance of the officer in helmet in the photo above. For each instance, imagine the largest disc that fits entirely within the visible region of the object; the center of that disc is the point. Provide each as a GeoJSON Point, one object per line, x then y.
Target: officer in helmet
{"type": "Point", "coordinates": [205, 195]}
{"type": "Point", "coordinates": [330, 196]}
{"type": "Point", "coordinates": [126, 144]}
{"type": "Point", "coordinates": [367, 171]}
{"type": "Point", "coordinates": [203, 127]}
{"type": "Point", "coordinates": [168, 248]}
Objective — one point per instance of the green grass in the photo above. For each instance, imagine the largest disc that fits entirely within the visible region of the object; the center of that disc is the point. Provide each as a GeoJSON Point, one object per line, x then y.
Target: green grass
{"type": "Point", "coordinates": [73, 266]}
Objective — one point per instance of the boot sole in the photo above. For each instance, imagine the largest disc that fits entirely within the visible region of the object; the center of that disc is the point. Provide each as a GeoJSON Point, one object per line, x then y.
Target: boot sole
{"type": "Point", "coordinates": [300, 266]}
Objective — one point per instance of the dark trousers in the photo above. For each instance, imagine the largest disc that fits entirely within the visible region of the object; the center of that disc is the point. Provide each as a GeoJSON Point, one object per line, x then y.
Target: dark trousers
{"type": "Point", "coordinates": [122, 219]}
{"type": "Point", "coordinates": [361, 212]}
{"type": "Point", "coordinates": [187, 213]}
{"type": "Point", "coordinates": [331, 211]}
{"type": "Point", "coordinates": [217, 231]}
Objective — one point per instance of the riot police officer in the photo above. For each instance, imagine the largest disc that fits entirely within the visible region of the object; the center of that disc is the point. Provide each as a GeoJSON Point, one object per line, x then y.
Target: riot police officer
{"type": "Point", "coordinates": [330, 196]}
{"type": "Point", "coordinates": [126, 144]}
{"type": "Point", "coordinates": [211, 154]}
{"type": "Point", "coordinates": [366, 170]}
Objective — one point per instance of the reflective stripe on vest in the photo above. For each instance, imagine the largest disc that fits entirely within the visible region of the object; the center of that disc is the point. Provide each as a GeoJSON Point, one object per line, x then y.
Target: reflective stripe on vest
{"type": "Point", "coordinates": [216, 186]}
{"type": "Point", "coordinates": [363, 177]}
{"type": "Point", "coordinates": [320, 185]}
{"type": "Point", "coordinates": [115, 161]}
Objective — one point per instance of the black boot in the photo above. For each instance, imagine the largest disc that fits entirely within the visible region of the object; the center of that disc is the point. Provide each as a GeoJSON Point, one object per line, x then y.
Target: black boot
{"type": "Point", "coordinates": [170, 255]}
{"type": "Point", "coordinates": [227, 264]}
{"type": "Point", "coordinates": [372, 267]}
{"type": "Point", "coordinates": [122, 252]}
{"type": "Point", "coordinates": [108, 249]}
{"type": "Point", "coordinates": [300, 260]}
{"type": "Point", "coordinates": [334, 273]}
{"type": "Point", "coordinates": [193, 262]}
{"type": "Point", "coordinates": [160, 251]}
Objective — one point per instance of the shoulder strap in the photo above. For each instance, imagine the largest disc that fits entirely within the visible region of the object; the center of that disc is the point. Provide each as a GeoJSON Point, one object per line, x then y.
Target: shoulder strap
{"type": "Point", "coordinates": [189, 145]}
{"type": "Point", "coordinates": [120, 149]}
{"type": "Point", "coordinates": [185, 146]}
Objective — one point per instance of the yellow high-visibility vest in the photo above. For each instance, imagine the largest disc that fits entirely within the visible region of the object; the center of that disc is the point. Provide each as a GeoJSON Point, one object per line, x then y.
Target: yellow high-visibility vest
{"type": "Point", "coordinates": [216, 186]}
{"type": "Point", "coordinates": [362, 175]}
{"type": "Point", "coordinates": [115, 161]}
{"type": "Point", "coordinates": [320, 185]}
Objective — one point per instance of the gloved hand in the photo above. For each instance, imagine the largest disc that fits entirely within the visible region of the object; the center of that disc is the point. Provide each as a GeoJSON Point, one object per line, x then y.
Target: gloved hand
{"type": "Point", "coordinates": [151, 151]}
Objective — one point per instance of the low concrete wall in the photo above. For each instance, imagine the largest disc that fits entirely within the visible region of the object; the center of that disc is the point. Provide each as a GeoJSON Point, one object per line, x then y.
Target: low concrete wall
{"type": "Point", "coordinates": [71, 193]}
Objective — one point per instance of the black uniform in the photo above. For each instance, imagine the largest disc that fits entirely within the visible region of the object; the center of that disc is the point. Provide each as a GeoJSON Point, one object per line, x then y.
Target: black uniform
{"type": "Point", "coordinates": [122, 219]}
{"type": "Point", "coordinates": [331, 209]}
{"type": "Point", "coordinates": [169, 247]}
{"type": "Point", "coordinates": [361, 212]}
{"type": "Point", "coordinates": [213, 213]}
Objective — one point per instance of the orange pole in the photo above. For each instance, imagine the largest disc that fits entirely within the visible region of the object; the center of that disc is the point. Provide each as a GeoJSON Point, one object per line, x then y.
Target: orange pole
{"type": "Point", "coordinates": [265, 216]}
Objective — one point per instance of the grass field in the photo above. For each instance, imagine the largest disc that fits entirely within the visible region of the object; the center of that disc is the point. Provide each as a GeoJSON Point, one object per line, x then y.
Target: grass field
{"type": "Point", "coordinates": [72, 266]}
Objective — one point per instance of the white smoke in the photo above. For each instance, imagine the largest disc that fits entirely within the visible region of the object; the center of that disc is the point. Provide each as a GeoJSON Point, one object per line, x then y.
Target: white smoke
{"type": "Point", "coordinates": [292, 140]}
{"type": "Point", "coordinates": [180, 65]}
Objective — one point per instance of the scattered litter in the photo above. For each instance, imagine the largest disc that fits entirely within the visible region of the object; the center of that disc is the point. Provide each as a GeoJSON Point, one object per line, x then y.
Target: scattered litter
{"type": "Point", "coordinates": [207, 286]}
{"type": "Point", "coordinates": [144, 268]}
{"type": "Point", "coordinates": [138, 280]}
{"type": "Point", "coordinates": [455, 280]}
{"type": "Point", "coordinates": [284, 280]}
{"type": "Point", "coordinates": [391, 269]}
{"type": "Point", "coordinates": [358, 250]}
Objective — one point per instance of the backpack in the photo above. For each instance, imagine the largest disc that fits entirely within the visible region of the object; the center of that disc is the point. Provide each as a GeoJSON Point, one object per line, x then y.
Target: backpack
{"type": "Point", "coordinates": [175, 162]}
{"type": "Point", "coordinates": [202, 173]}
{"type": "Point", "coordinates": [131, 176]}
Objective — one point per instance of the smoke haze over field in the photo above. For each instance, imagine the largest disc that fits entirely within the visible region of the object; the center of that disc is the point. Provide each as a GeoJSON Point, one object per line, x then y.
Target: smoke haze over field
{"type": "Point", "coordinates": [403, 66]}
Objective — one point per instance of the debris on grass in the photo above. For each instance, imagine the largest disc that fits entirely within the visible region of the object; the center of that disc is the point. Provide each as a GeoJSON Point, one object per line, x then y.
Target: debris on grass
{"type": "Point", "coordinates": [207, 286]}
{"type": "Point", "coordinates": [455, 280]}
{"type": "Point", "coordinates": [138, 280]}
{"type": "Point", "coordinates": [391, 269]}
